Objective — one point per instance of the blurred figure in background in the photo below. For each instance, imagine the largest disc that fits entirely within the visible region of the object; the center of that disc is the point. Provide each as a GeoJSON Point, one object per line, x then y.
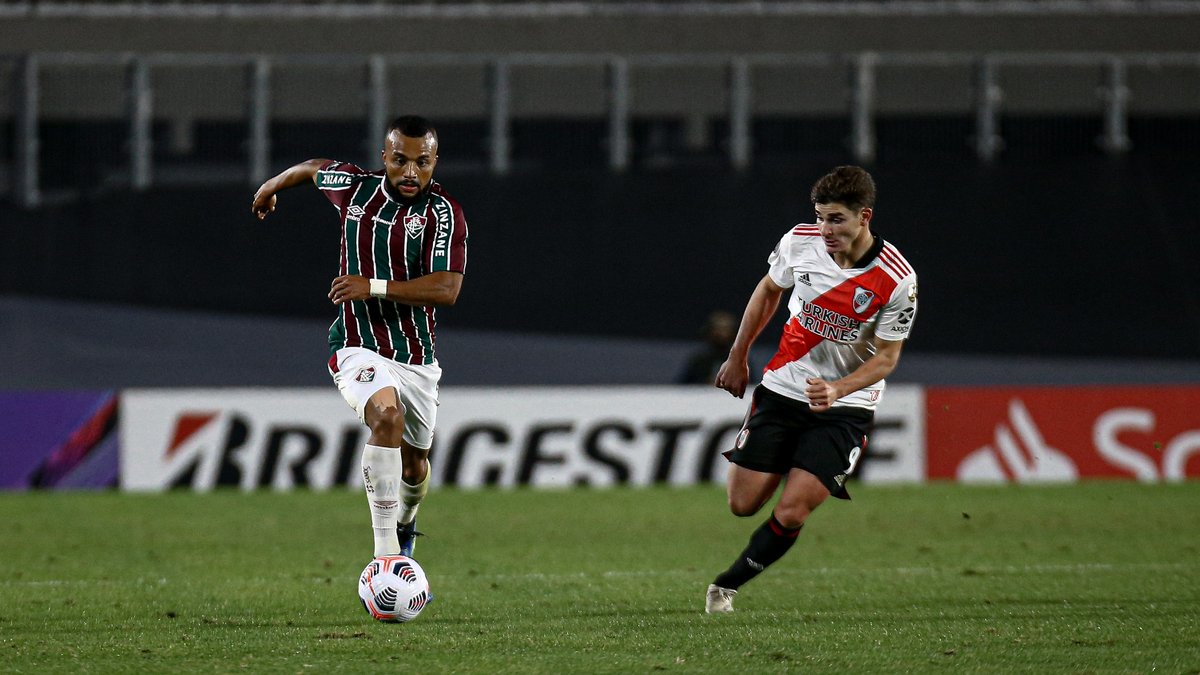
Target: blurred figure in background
{"type": "Point", "coordinates": [403, 253]}
{"type": "Point", "coordinates": [703, 363]}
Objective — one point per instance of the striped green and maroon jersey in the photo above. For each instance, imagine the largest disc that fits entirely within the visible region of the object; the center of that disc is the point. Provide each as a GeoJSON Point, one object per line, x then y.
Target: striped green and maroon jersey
{"type": "Point", "coordinates": [383, 238]}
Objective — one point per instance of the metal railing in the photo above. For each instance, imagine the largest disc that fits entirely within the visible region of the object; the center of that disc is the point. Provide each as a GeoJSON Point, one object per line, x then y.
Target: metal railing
{"type": "Point", "coordinates": [454, 9]}
{"type": "Point", "coordinates": [1113, 97]}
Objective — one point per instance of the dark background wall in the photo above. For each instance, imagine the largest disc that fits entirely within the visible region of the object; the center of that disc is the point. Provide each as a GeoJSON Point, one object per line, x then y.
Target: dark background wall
{"type": "Point", "coordinates": [1054, 249]}
{"type": "Point", "coordinates": [1041, 253]}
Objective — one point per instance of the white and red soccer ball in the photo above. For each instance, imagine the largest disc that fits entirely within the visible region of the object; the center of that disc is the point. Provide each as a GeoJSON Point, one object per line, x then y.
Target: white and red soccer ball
{"type": "Point", "coordinates": [393, 588]}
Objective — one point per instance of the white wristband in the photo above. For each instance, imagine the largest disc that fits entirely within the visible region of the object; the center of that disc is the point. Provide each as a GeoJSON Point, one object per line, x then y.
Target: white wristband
{"type": "Point", "coordinates": [379, 288]}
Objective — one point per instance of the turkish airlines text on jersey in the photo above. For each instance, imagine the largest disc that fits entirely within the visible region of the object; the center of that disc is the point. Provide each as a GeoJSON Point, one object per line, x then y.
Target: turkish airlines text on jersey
{"type": "Point", "coordinates": [1056, 434]}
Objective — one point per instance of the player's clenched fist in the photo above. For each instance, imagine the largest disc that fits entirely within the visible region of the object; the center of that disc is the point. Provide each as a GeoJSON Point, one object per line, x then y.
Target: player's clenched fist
{"type": "Point", "coordinates": [349, 287]}
{"type": "Point", "coordinates": [264, 203]}
{"type": "Point", "coordinates": [821, 394]}
{"type": "Point", "coordinates": [733, 377]}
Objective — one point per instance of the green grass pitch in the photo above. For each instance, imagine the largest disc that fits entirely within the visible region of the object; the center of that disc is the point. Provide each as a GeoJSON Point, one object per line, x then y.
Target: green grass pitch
{"type": "Point", "coordinates": [1090, 578]}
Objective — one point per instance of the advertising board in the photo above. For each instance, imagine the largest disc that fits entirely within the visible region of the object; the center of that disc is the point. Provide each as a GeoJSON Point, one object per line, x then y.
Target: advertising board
{"type": "Point", "coordinates": [1062, 434]}
{"type": "Point", "coordinates": [543, 437]}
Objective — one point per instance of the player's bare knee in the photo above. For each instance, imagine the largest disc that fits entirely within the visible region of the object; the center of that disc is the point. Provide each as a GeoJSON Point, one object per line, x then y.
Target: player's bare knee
{"type": "Point", "coordinates": [792, 516]}
{"type": "Point", "coordinates": [742, 511]}
{"type": "Point", "coordinates": [415, 464]}
{"type": "Point", "coordinates": [742, 506]}
{"type": "Point", "coordinates": [387, 426]}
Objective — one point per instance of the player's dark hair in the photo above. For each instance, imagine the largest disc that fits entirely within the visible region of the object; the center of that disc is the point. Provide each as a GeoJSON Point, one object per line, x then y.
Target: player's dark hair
{"type": "Point", "coordinates": [849, 185]}
{"type": "Point", "coordinates": [413, 126]}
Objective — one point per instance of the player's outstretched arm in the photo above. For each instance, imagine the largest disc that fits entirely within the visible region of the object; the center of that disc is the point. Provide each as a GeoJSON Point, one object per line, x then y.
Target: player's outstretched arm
{"type": "Point", "coordinates": [264, 197]}
{"type": "Point", "coordinates": [438, 289]}
{"type": "Point", "coordinates": [734, 375]}
{"type": "Point", "coordinates": [822, 394]}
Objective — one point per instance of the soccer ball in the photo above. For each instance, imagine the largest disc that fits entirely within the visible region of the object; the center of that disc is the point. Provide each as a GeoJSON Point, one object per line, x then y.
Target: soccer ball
{"type": "Point", "coordinates": [393, 588]}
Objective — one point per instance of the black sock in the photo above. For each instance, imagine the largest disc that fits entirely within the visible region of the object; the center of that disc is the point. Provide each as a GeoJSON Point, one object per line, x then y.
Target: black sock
{"type": "Point", "coordinates": [768, 544]}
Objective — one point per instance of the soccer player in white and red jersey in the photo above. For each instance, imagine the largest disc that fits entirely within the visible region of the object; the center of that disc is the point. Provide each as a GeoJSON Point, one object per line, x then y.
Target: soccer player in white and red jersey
{"type": "Point", "coordinates": [853, 301]}
{"type": "Point", "coordinates": [403, 253]}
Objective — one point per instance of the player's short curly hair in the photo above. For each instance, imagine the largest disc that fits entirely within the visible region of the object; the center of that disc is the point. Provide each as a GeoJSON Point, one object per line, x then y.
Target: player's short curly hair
{"type": "Point", "coordinates": [413, 126]}
{"type": "Point", "coordinates": [849, 185]}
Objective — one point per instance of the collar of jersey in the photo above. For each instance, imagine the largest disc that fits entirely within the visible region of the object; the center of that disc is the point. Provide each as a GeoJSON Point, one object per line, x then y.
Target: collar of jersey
{"type": "Point", "coordinates": [871, 254]}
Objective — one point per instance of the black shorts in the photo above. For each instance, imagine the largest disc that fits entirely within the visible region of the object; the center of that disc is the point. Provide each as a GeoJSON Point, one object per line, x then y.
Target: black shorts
{"type": "Point", "coordinates": [781, 433]}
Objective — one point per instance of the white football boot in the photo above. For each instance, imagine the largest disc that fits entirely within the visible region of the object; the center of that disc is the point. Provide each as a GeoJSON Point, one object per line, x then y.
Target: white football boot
{"type": "Point", "coordinates": [718, 599]}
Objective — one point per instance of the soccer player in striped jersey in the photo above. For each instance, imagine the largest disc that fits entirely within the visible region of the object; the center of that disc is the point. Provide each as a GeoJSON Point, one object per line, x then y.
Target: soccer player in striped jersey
{"type": "Point", "coordinates": [853, 301]}
{"type": "Point", "coordinates": [403, 254]}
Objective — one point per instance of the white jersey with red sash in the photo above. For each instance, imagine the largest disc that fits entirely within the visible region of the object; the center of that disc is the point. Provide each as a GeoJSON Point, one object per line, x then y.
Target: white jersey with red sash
{"type": "Point", "coordinates": [835, 314]}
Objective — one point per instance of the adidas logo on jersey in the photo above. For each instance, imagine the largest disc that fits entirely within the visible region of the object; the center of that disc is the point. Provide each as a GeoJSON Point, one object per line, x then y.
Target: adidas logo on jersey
{"type": "Point", "coordinates": [803, 278]}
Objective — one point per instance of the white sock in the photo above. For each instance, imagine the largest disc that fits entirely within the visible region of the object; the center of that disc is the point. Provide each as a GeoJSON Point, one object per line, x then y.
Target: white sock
{"type": "Point", "coordinates": [412, 495]}
{"type": "Point", "coordinates": [381, 478]}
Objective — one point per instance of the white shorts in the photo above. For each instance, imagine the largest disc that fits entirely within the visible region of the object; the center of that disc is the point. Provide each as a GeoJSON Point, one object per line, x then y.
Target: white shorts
{"type": "Point", "coordinates": [359, 373]}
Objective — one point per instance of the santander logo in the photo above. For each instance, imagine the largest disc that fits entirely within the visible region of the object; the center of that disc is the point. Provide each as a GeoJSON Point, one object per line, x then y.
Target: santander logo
{"type": "Point", "coordinates": [1019, 453]}
{"type": "Point", "coordinates": [1176, 451]}
{"type": "Point", "coordinates": [1056, 434]}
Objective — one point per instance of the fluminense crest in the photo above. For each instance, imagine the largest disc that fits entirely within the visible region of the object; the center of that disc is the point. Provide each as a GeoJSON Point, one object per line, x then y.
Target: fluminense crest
{"type": "Point", "coordinates": [414, 224]}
